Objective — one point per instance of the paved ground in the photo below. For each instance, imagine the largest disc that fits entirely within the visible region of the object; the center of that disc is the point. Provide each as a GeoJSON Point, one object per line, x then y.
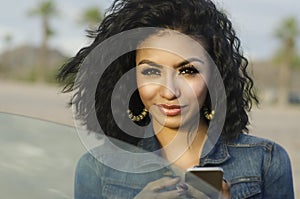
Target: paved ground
{"type": "Point", "coordinates": [41, 101]}
{"type": "Point", "coordinates": [46, 102]}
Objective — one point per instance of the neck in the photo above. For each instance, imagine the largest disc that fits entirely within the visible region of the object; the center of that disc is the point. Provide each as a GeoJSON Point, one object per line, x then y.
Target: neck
{"type": "Point", "coordinates": [166, 135]}
{"type": "Point", "coordinates": [180, 142]}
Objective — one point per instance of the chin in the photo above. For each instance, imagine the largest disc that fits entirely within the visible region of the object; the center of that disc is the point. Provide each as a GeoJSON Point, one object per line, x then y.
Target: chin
{"type": "Point", "coordinates": [173, 123]}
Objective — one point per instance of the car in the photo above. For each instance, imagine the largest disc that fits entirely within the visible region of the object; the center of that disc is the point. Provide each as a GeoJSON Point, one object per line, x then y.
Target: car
{"type": "Point", "coordinates": [294, 98]}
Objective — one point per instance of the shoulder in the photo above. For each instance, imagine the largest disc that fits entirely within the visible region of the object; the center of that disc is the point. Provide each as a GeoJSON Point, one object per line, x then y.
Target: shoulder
{"type": "Point", "coordinates": [246, 140]}
{"type": "Point", "coordinates": [88, 162]}
{"type": "Point", "coordinates": [250, 139]}
{"type": "Point", "coordinates": [257, 148]}
{"type": "Point", "coordinates": [95, 158]}
{"type": "Point", "coordinates": [270, 152]}
{"type": "Point", "coordinates": [263, 167]}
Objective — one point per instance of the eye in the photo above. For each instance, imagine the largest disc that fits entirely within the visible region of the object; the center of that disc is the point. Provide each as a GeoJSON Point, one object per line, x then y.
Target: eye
{"type": "Point", "coordinates": [188, 70]}
{"type": "Point", "coordinates": [151, 72]}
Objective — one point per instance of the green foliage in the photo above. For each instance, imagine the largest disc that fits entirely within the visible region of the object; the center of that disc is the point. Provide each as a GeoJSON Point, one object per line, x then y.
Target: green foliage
{"type": "Point", "coordinates": [288, 29]}
{"type": "Point", "coordinates": [280, 57]}
{"type": "Point", "coordinates": [45, 8]}
{"type": "Point", "coordinates": [32, 76]}
{"type": "Point", "coordinates": [51, 75]}
{"type": "Point", "coordinates": [8, 38]}
{"type": "Point", "coordinates": [92, 16]}
{"type": "Point", "coordinates": [287, 33]}
{"type": "Point", "coordinates": [3, 70]}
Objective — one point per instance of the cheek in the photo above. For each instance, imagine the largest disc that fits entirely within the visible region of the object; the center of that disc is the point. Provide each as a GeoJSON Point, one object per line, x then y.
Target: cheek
{"type": "Point", "coordinates": [146, 89]}
{"type": "Point", "coordinates": [147, 94]}
{"type": "Point", "coordinates": [198, 90]}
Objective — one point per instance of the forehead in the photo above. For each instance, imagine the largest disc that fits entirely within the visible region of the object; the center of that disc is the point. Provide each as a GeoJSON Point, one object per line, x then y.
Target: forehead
{"type": "Point", "coordinates": [176, 43]}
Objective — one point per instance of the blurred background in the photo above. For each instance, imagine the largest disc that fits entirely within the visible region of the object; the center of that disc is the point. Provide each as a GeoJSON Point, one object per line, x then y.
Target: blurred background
{"type": "Point", "coordinates": [38, 36]}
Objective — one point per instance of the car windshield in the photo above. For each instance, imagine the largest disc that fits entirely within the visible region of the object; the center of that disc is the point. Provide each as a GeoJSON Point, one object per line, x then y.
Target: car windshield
{"type": "Point", "coordinates": [38, 158]}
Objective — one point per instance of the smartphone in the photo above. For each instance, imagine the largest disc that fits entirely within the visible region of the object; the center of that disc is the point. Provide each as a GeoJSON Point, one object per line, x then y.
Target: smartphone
{"type": "Point", "coordinates": [206, 179]}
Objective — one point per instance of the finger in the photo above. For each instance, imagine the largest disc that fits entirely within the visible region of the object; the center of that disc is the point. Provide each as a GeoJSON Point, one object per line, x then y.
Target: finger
{"type": "Point", "coordinates": [195, 193]}
{"type": "Point", "coordinates": [162, 183]}
{"type": "Point", "coordinates": [170, 194]}
{"type": "Point", "coordinates": [226, 189]}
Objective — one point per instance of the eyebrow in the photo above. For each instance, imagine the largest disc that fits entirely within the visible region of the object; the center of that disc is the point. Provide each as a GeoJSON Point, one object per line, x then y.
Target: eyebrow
{"type": "Point", "coordinates": [185, 62]}
{"type": "Point", "coordinates": [148, 62]}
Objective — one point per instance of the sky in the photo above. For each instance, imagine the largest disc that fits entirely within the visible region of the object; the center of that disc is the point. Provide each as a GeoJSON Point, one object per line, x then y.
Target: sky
{"type": "Point", "coordinates": [254, 20]}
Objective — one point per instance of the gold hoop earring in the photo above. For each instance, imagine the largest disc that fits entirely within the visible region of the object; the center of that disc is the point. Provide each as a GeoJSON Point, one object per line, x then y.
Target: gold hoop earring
{"type": "Point", "coordinates": [208, 115]}
{"type": "Point", "coordinates": [137, 118]}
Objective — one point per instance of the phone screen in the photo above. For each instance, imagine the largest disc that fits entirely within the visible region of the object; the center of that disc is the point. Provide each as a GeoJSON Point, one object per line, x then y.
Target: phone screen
{"type": "Point", "coordinates": [206, 179]}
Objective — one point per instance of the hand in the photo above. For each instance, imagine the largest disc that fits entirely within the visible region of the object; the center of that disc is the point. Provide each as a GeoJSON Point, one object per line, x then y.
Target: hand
{"type": "Point", "coordinates": [192, 192]}
{"type": "Point", "coordinates": [226, 190]}
{"type": "Point", "coordinates": [152, 189]}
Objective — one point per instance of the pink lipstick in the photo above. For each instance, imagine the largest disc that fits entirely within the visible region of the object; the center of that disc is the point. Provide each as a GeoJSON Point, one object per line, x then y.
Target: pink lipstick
{"type": "Point", "coordinates": [169, 109]}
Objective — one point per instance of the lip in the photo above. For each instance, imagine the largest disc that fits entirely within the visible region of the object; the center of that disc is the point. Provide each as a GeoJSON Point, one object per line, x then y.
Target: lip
{"type": "Point", "coordinates": [170, 109]}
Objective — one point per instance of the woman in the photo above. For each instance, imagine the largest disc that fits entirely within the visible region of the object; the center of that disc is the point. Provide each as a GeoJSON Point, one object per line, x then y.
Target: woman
{"type": "Point", "coordinates": [178, 68]}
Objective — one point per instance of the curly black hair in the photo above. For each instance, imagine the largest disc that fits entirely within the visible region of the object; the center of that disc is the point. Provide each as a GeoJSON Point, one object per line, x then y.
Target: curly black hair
{"type": "Point", "coordinates": [196, 18]}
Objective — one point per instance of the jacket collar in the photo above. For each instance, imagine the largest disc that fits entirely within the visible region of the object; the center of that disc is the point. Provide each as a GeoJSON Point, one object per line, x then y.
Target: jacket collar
{"type": "Point", "coordinates": [217, 155]}
{"type": "Point", "coordinates": [149, 142]}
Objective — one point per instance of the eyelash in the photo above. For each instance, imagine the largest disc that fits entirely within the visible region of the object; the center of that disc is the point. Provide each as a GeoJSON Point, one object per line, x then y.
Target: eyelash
{"type": "Point", "coordinates": [151, 71]}
{"type": "Point", "coordinates": [184, 70]}
{"type": "Point", "coordinates": [188, 70]}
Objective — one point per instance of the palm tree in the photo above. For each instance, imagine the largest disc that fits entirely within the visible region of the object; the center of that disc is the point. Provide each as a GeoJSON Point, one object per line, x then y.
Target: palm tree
{"type": "Point", "coordinates": [45, 10]}
{"type": "Point", "coordinates": [91, 16]}
{"type": "Point", "coordinates": [8, 40]}
{"type": "Point", "coordinates": [5, 60]}
{"type": "Point", "coordinates": [287, 33]}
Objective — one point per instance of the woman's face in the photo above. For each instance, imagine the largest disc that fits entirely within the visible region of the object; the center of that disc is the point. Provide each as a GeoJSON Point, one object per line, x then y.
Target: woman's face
{"type": "Point", "coordinates": [172, 71]}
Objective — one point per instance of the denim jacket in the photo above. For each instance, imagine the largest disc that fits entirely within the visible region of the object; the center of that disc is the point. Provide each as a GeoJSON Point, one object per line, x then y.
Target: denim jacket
{"type": "Point", "coordinates": [256, 168]}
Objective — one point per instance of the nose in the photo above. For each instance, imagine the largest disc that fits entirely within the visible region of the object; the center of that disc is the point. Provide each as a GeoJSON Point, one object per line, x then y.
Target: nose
{"type": "Point", "coordinates": [170, 89]}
